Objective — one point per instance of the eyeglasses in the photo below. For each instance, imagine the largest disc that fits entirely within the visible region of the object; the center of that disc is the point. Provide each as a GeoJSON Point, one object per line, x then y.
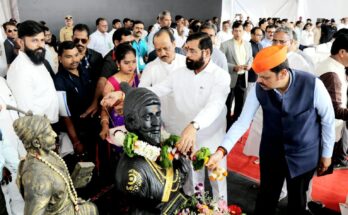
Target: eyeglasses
{"type": "Point", "coordinates": [10, 31]}
{"type": "Point", "coordinates": [274, 41]}
{"type": "Point", "coordinates": [68, 17]}
{"type": "Point", "coordinates": [77, 40]}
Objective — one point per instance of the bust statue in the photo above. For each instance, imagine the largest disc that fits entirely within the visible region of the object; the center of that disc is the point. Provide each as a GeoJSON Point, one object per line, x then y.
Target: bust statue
{"type": "Point", "coordinates": [43, 177]}
{"type": "Point", "coordinates": [149, 188]}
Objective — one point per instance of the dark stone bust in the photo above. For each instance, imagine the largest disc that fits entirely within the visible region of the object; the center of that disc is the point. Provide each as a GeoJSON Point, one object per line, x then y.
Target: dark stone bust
{"type": "Point", "coordinates": [149, 188]}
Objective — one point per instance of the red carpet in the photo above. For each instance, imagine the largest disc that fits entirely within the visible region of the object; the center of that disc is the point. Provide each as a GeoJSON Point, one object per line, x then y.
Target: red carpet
{"type": "Point", "coordinates": [331, 189]}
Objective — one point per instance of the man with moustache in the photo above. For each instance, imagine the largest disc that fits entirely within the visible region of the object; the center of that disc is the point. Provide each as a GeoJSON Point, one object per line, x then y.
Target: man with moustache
{"type": "Point", "coordinates": [74, 80]}
{"type": "Point", "coordinates": [164, 20]}
{"type": "Point", "coordinates": [199, 93]}
{"type": "Point", "coordinates": [65, 33]}
{"type": "Point", "coordinates": [139, 45]}
{"type": "Point", "coordinates": [157, 71]}
{"type": "Point", "coordinates": [28, 78]}
{"type": "Point", "coordinates": [100, 39]}
{"type": "Point", "coordinates": [91, 60]}
{"type": "Point", "coordinates": [10, 29]}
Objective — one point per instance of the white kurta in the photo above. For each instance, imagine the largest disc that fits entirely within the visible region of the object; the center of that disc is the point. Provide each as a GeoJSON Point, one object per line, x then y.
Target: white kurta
{"type": "Point", "coordinates": [100, 42]}
{"type": "Point", "coordinates": [156, 72]}
{"type": "Point", "coordinates": [32, 87]}
{"type": "Point", "coordinates": [11, 150]}
{"type": "Point", "coordinates": [200, 98]}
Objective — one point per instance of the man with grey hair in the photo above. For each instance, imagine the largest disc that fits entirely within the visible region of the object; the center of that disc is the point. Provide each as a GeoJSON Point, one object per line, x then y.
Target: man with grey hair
{"type": "Point", "coordinates": [165, 20]}
{"type": "Point", "coordinates": [217, 56]}
{"type": "Point", "coordinates": [285, 36]}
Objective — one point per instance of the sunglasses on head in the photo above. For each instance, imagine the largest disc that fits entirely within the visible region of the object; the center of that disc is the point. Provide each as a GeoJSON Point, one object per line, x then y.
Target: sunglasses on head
{"type": "Point", "coordinates": [10, 31]}
{"type": "Point", "coordinates": [77, 40]}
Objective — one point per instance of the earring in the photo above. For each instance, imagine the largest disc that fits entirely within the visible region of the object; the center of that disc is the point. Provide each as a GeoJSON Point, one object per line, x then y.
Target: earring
{"type": "Point", "coordinates": [118, 68]}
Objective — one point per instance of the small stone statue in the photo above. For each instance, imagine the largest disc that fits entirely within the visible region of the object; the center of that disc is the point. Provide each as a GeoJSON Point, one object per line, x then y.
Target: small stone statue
{"type": "Point", "coordinates": [149, 187]}
{"type": "Point", "coordinates": [43, 177]}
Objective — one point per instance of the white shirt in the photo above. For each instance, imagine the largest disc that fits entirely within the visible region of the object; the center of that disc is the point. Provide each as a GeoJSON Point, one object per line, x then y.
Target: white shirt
{"type": "Point", "coordinates": [100, 42]}
{"type": "Point", "coordinates": [307, 38]}
{"type": "Point", "coordinates": [297, 62]}
{"type": "Point", "coordinates": [111, 33]}
{"type": "Point", "coordinates": [340, 26]}
{"type": "Point", "coordinates": [200, 98]}
{"type": "Point", "coordinates": [52, 57]}
{"type": "Point", "coordinates": [246, 36]}
{"type": "Point", "coordinates": [7, 117]}
{"type": "Point", "coordinates": [32, 87]}
{"type": "Point", "coordinates": [156, 72]}
{"type": "Point", "coordinates": [179, 40]}
{"type": "Point", "coordinates": [222, 36]}
{"type": "Point", "coordinates": [150, 46]}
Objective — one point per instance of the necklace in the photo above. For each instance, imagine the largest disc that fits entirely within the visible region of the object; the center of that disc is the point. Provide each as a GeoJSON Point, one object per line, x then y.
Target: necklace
{"type": "Point", "coordinates": [67, 180]}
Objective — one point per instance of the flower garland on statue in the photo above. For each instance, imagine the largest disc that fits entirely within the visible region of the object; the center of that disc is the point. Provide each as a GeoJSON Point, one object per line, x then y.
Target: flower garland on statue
{"type": "Point", "coordinates": [67, 179]}
{"type": "Point", "coordinates": [164, 154]}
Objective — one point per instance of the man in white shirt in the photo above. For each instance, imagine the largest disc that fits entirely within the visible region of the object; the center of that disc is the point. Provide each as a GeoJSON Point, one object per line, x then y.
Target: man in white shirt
{"type": "Point", "coordinates": [28, 78]}
{"type": "Point", "coordinates": [225, 34]}
{"type": "Point", "coordinates": [200, 90]}
{"type": "Point", "coordinates": [100, 40]}
{"type": "Point", "coordinates": [267, 41]}
{"type": "Point", "coordinates": [179, 32]}
{"type": "Point", "coordinates": [161, 68]}
{"type": "Point", "coordinates": [165, 20]}
{"type": "Point", "coordinates": [116, 24]}
{"type": "Point", "coordinates": [247, 26]}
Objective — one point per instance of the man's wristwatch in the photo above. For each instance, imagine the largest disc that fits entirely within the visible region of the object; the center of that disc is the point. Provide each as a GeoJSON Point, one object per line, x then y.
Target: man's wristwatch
{"type": "Point", "coordinates": [195, 125]}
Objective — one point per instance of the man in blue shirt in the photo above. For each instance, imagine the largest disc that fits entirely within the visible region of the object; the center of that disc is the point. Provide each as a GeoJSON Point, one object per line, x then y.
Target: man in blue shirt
{"type": "Point", "coordinates": [139, 45]}
{"type": "Point", "coordinates": [298, 130]}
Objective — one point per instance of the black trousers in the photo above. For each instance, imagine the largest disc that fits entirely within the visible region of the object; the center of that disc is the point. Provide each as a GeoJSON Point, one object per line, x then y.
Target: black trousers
{"type": "Point", "coordinates": [273, 174]}
{"type": "Point", "coordinates": [236, 93]}
{"type": "Point", "coordinates": [340, 152]}
{"type": "Point", "coordinates": [2, 203]}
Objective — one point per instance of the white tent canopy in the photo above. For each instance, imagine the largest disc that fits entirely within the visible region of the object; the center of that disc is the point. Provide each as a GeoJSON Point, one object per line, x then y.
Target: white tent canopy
{"type": "Point", "coordinates": [291, 9]}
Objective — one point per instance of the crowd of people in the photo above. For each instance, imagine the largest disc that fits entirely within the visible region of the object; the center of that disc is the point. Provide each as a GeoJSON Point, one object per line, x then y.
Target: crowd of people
{"type": "Point", "coordinates": [285, 79]}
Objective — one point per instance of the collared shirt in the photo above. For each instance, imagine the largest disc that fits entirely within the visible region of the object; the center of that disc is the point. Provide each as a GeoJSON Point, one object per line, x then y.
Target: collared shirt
{"type": "Point", "coordinates": [198, 97]}
{"type": "Point", "coordinates": [141, 51]}
{"type": "Point", "coordinates": [52, 57]}
{"type": "Point", "coordinates": [219, 59]}
{"type": "Point", "coordinates": [266, 42]}
{"type": "Point", "coordinates": [322, 103]}
{"type": "Point", "coordinates": [79, 91]}
{"type": "Point", "coordinates": [179, 40]}
{"type": "Point", "coordinates": [241, 54]}
{"type": "Point", "coordinates": [66, 34]}
{"type": "Point", "coordinates": [100, 42]}
{"type": "Point", "coordinates": [93, 62]}
{"type": "Point", "coordinates": [223, 36]}
{"type": "Point", "coordinates": [32, 87]}
{"type": "Point", "coordinates": [156, 72]}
